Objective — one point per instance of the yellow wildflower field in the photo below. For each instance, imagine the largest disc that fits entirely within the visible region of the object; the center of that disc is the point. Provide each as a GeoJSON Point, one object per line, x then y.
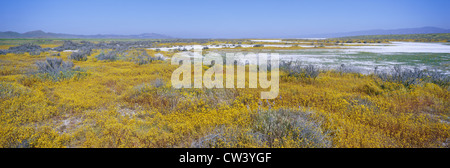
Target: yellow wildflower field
{"type": "Point", "coordinates": [114, 104]}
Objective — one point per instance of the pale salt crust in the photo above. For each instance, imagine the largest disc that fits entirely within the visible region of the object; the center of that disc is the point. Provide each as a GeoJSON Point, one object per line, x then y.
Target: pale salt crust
{"type": "Point", "coordinates": [332, 58]}
{"type": "Point", "coordinates": [404, 47]}
{"type": "Point", "coordinates": [70, 51]}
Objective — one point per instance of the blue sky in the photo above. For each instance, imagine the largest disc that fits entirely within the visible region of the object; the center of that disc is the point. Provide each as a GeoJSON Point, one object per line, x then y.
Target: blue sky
{"type": "Point", "coordinates": [220, 19]}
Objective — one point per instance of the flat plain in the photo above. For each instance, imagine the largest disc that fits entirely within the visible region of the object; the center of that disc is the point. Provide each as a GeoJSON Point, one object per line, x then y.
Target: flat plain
{"type": "Point", "coordinates": [117, 93]}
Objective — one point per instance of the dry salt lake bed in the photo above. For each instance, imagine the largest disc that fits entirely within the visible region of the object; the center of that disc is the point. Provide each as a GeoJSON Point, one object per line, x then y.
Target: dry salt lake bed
{"type": "Point", "coordinates": [385, 56]}
{"type": "Point", "coordinates": [361, 58]}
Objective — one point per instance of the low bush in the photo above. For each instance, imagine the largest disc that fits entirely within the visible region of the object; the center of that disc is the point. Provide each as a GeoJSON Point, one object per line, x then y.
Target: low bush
{"type": "Point", "coordinates": [144, 58]}
{"type": "Point", "coordinates": [109, 56]}
{"type": "Point", "coordinates": [57, 69]}
{"type": "Point", "coordinates": [297, 70]}
{"type": "Point", "coordinates": [80, 55]}
{"type": "Point", "coordinates": [348, 69]}
{"type": "Point", "coordinates": [283, 127]}
{"type": "Point", "coordinates": [271, 128]}
{"type": "Point", "coordinates": [415, 76]}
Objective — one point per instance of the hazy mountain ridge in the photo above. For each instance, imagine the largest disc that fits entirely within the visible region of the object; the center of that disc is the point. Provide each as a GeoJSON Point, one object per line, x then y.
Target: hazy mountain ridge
{"type": "Point", "coordinates": [42, 34]}
{"type": "Point", "coordinates": [421, 30]}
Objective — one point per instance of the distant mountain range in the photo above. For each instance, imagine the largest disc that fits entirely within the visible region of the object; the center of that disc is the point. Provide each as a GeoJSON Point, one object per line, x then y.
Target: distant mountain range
{"type": "Point", "coordinates": [42, 34]}
{"type": "Point", "coordinates": [421, 30]}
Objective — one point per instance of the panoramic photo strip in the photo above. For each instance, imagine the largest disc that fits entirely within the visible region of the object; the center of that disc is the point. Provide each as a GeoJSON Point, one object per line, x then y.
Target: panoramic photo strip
{"type": "Point", "coordinates": [251, 78]}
